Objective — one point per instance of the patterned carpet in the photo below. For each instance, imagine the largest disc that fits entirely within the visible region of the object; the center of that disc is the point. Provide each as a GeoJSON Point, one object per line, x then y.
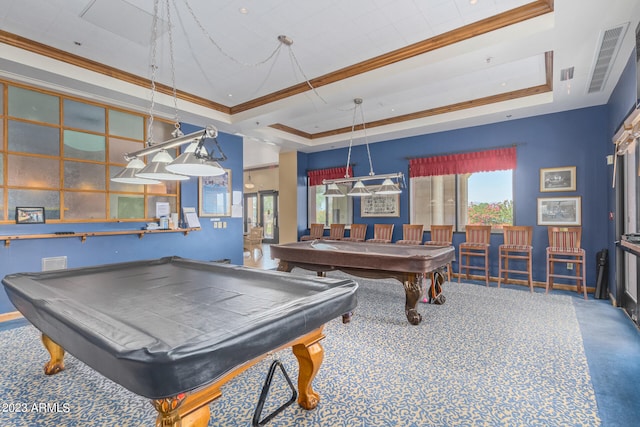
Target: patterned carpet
{"type": "Point", "coordinates": [490, 357]}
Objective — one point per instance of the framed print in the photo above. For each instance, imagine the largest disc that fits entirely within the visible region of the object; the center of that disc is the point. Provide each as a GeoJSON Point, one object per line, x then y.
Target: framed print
{"type": "Point", "coordinates": [380, 205]}
{"type": "Point", "coordinates": [29, 215]}
{"type": "Point", "coordinates": [214, 195]}
{"type": "Point", "coordinates": [558, 179]}
{"type": "Point", "coordinates": [559, 211]}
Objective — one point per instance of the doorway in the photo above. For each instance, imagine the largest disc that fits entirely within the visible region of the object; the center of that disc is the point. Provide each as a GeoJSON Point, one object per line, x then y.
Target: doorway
{"type": "Point", "coordinates": [250, 212]}
{"type": "Point", "coordinates": [630, 209]}
{"type": "Point", "coordinates": [269, 216]}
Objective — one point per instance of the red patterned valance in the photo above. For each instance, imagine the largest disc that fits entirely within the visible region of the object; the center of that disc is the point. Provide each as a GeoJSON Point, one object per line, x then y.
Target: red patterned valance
{"type": "Point", "coordinates": [454, 164]}
{"type": "Point", "coordinates": [316, 176]}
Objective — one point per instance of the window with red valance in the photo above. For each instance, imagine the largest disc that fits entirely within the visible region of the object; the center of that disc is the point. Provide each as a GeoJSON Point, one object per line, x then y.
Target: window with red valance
{"type": "Point", "coordinates": [329, 210]}
{"type": "Point", "coordinates": [463, 188]}
{"type": "Point", "coordinates": [455, 164]}
{"type": "Point", "coordinates": [317, 176]}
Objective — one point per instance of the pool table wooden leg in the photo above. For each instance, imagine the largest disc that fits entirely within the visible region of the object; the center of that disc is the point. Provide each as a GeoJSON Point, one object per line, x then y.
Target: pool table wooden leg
{"type": "Point", "coordinates": [171, 411]}
{"type": "Point", "coordinates": [310, 356]}
{"type": "Point", "coordinates": [56, 364]}
{"type": "Point", "coordinates": [413, 289]}
{"type": "Point", "coordinates": [285, 266]}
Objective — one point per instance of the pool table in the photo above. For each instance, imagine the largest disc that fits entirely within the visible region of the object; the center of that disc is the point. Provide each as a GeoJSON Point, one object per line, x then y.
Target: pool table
{"type": "Point", "coordinates": [406, 263]}
{"type": "Point", "coordinates": [175, 330]}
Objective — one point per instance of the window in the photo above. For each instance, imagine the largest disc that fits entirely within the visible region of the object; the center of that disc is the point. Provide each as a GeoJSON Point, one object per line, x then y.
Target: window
{"type": "Point", "coordinates": [328, 210]}
{"type": "Point", "coordinates": [60, 153]}
{"type": "Point", "coordinates": [471, 196]}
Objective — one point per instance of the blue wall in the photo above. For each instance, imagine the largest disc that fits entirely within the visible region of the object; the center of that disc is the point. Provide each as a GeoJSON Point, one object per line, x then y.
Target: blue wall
{"type": "Point", "coordinates": [207, 244]}
{"type": "Point", "coordinates": [578, 138]}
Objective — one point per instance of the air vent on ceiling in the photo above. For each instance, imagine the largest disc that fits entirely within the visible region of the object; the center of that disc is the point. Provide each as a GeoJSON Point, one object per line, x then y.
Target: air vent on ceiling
{"type": "Point", "coordinates": [608, 47]}
{"type": "Point", "coordinates": [566, 74]}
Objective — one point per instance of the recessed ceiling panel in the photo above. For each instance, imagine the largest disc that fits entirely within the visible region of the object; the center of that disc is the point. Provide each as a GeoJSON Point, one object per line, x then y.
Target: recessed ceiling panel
{"type": "Point", "coordinates": [123, 19]}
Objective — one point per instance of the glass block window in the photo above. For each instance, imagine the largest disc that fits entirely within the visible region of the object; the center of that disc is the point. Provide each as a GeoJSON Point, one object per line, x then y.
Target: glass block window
{"type": "Point", "coordinates": [126, 206]}
{"type": "Point", "coordinates": [126, 125]}
{"type": "Point", "coordinates": [33, 172]}
{"type": "Point", "coordinates": [50, 200]}
{"type": "Point", "coordinates": [78, 115]}
{"type": "Point", "coordinates": [151, 204]}
{"type": "Point", "coordinates": [80, 145]}
{"type": "Point", "coordinates": [84, 176]}
{"type": "Point", "coordinates": [31, 105]}
{"type": "Point", "coordinates": [60, 153]}
{"type": "Point", "coordinates": [165, 187]}
{"type": "Point", "coordinates": [32, 138]}
{"type": "Point", "coordinates": [119, 147]}
{"type": "Point", "coordinates": [84, 206]}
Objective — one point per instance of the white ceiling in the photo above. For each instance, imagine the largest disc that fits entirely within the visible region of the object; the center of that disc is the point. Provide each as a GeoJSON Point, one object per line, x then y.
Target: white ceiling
{"type": "Point", "coordinates": [223, 56]}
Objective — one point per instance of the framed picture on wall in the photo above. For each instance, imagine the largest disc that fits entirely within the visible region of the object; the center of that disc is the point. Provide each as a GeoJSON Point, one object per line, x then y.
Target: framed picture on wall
{"type": "Point", "coordinates": [380, 205]}
{"type": "Point", "coordinates": [558, 179]}
{"type": "Point", "coordinates": [29, 215]}
{"type": "Point", "coordinates": [559, 211]}
{"type": "Point", "coordinates": [214, 195]}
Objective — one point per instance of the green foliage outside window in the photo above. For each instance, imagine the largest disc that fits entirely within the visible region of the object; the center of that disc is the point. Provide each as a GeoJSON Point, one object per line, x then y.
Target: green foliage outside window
{"type": "Point", "coordinates": [493, 214]}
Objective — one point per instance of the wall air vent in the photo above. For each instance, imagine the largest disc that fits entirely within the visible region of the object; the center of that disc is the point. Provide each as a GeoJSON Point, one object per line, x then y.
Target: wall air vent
{"type": "Point", "coordinates": [54, 263]}
{"type": "Point", "coordinates": [608, 47]}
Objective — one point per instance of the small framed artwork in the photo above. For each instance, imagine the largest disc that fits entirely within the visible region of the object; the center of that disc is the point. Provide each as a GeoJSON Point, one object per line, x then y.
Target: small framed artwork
{"type": "Point", "coordinates": [215, 195]}
{"type": "Point", "coordinates": [380, 205]}
{"type": "Point", "coordinates": [558, 179]}
{"type": "Point", "coordinates": [29, 215]}
{"type": "Point", "coordinates": [559, 211]}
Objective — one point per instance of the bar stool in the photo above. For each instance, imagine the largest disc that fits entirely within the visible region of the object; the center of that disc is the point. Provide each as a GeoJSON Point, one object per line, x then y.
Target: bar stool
{"type": "Point", "coordinates": [315, 232]}
{"type": "Point", "coordinates": [564, 247]}
{"type": "Point", "coordinates": [382, 233]}
{"type": "Point", "coordinates": [441, 235]}
{"type": "Point", "coordinates": [357, 234]}
{"type": "Point", "coordinates": [516, 246]}
{"type": "Point", "coordinates": [411, 234]}
{"type": "Point", "coordinates": [336, 232]}
{"type": "Point", "coordinates": [478, 240]}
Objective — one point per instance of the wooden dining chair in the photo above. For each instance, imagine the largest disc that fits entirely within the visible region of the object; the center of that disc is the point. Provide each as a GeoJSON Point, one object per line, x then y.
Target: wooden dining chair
{"type": "Point", "coordinates": [253, 241]}
{"type": "Point", "coordinates": [316, 232]}
{"type": "Point", "coordinates": [441, 235]}
{"type": "Point", "coordinates": [411, 234]}
{"type": "Point", "coordinates": [564, 247]}
{"type": "Point", "coordinates": [336, 232]}
{"type": "Point", "coordinates": [357, 234]}
{"type": "Point", "coordinates": [382, 233]}
{"type": "Point", "coordinates": [478, 240]}
{"type": "Point", "coordinates": [516, 247]}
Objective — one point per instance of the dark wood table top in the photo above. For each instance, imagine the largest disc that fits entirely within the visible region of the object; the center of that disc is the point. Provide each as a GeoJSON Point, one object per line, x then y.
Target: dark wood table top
{"type": "Point", "coordinates": [374, 256]}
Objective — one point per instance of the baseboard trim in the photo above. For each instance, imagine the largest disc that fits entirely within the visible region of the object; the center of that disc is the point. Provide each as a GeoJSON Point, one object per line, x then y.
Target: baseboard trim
{"type": "Point", "coordinates": [5, 317]}
{"type": "Point", "coordinates": [536, 284]}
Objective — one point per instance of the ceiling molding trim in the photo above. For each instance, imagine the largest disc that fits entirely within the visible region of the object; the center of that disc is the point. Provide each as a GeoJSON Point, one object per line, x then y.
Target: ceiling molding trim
{"type": "Point", "coordinates": [511, 17]}
{"type": "Point", "coordinates": [78, 61]}
{"type": "Point", "coordinates": [464, 105]}
{"type": "Point", "coordinates": [505, 19]}
{"type": "Point", "coordinates": [292, 131]}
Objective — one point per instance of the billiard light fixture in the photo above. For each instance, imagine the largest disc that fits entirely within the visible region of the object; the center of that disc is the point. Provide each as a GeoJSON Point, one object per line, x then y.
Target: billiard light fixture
{"type": "Point", "coordinates": [359, 189]}
{"type": "Point", "coordinates": [196, 160]}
